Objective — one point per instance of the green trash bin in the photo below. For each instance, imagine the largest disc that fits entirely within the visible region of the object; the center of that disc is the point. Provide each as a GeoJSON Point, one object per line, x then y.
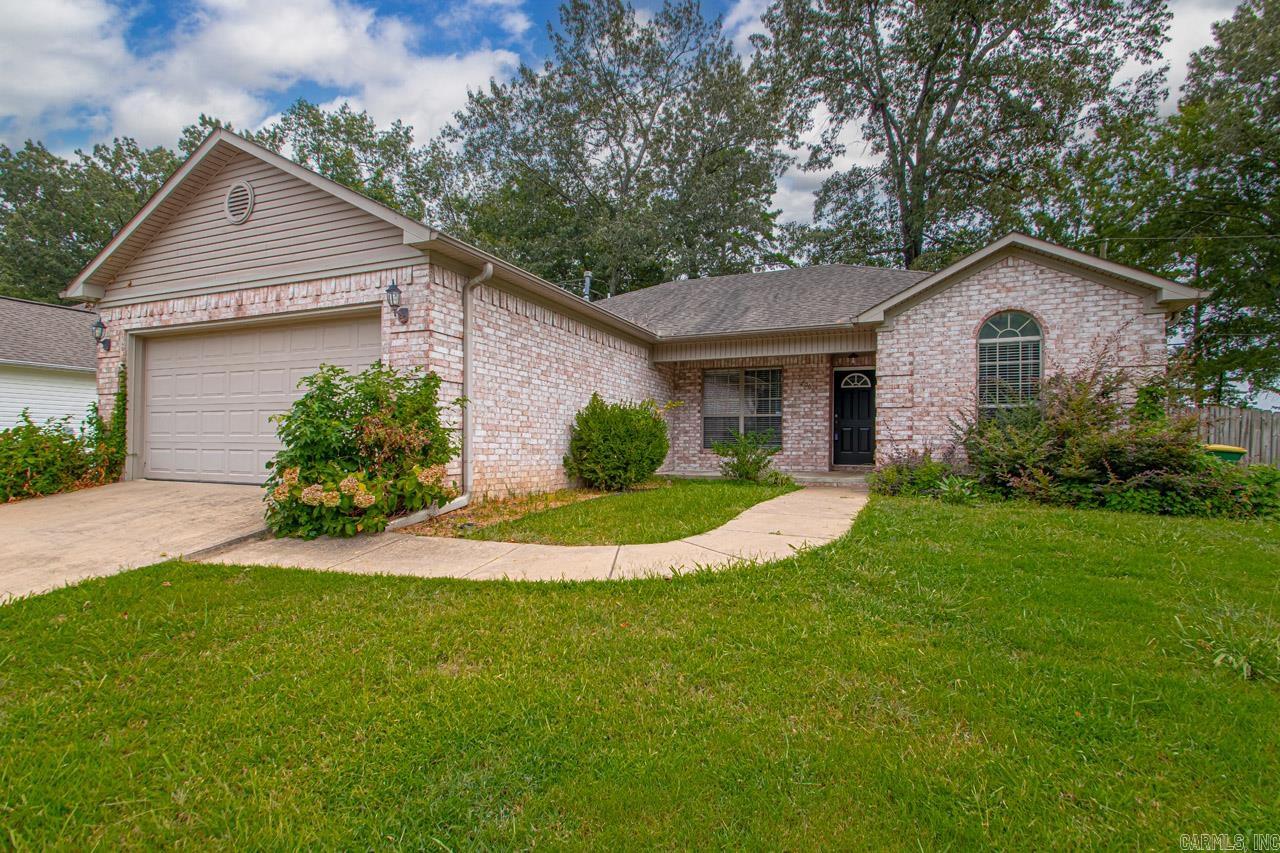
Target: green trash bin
{"type": "Point", "coordinates": [1226, 452]}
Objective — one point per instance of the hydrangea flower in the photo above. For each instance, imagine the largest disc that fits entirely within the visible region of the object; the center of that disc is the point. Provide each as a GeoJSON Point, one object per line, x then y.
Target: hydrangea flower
{"type": "Point", "coordinates": [290, 476]}
{"type": "Point", "coordinates": [331, 499]}
{"type": "Point", "coordinates": [364, 500]}
{"type": "Point", "coordinates": [349, 485]}
{"type": "Point", "coordinates": [312, 495]}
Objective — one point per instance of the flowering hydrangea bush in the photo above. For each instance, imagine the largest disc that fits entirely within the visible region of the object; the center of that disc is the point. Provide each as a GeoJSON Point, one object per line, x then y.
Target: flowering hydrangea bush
{"type": "Point", "coordinates": [357, 451]}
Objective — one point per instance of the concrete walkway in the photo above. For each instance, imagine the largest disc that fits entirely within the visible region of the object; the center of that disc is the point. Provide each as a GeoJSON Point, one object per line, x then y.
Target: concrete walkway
{"type": "Point", "coordinates": [767, 531]}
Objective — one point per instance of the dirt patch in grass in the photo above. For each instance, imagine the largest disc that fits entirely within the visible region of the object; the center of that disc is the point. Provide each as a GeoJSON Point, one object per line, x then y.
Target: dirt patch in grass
{"type": "Point", "coordinates": [493, 511]}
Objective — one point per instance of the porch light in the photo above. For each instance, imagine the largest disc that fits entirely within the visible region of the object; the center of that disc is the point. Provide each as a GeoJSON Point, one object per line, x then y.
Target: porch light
{"type": "Point", "coordinates": [393, 301]}
{"type": "Point", "coordinates": [99, 330]}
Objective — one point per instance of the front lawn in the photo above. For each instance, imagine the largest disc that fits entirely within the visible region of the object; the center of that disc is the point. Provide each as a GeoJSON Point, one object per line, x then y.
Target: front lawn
{"type": "Point", "coordinates": [1004, 676]}
{"type": "Point", "coordinates": [662, 511]}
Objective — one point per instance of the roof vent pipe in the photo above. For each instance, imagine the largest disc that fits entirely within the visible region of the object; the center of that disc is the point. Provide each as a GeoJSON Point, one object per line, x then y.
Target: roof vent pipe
{"type": "Point", "coordinates": [586, 285]}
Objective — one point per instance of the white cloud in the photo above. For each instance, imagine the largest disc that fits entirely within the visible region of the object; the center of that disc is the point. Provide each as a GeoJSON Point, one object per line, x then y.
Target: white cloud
{"type": "Point", "coordinates": [464, 18]}
{"type": "Point", "coordinates": [234, 59]}
{"type": "Point", "coordinates": [54, 56]}
{"type": "Point", "coordinates": [743, 21]}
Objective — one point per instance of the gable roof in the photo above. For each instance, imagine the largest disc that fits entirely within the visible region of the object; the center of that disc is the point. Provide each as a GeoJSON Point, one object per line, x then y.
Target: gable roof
{"type": "Point", "coordinates": [38, 334]}
{"type": "Point", "coordinates": [1163, 293]}
{"type": "Point", "coordinates": [841, 295]}
{"type": "Point", "coordinates": [222, 145]}
{"type": "Point", "coordinates": [778, 301]}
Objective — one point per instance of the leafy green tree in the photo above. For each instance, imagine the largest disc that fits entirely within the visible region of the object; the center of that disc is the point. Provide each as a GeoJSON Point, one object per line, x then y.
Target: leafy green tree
{"type": "Point", "coordinates": [1194, 196]}
{"type": "Point", "coordinates": [969, 105]}
{"type": "Point", "coordinates": [56, 214]}
{"type": "Point", "coordinates": [643, 147]}
{"type": "Point", "coordinates": [1227, 135]}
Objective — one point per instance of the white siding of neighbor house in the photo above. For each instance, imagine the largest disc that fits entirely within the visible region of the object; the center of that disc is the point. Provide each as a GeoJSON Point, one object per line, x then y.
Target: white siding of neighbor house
{"type": "Point", "coordinates": [295, 230]}
{"type": "Point", "coordinates": [44, 394]}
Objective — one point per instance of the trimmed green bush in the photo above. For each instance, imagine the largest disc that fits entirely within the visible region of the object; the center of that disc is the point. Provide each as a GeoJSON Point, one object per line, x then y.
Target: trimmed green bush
{"type": "Point", "coordinates": [615, 446]}
{"type": "Point", "coordinates": [358, 449]}
{"type": "Point", "coordinates": [749, 457]}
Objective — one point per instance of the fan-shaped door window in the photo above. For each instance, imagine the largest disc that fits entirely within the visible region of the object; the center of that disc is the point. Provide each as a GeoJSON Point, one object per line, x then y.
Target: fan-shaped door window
{"type": "Point", "coordinates": [1009, 361]}
{"type": "Point", "coordinates": [855, 380]}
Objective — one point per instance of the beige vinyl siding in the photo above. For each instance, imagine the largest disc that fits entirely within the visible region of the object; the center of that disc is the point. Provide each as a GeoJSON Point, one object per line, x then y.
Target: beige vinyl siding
{"type": "Point", "coordinates": [295, 230]}
{"type": "Point", "coordinates": [820, 343]}
{"type": "Point", "coordinates": [45, 394]}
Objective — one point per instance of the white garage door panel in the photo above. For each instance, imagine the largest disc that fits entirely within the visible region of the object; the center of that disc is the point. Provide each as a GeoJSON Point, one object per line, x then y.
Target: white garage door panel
{"type": "Point", "coordinates": [210, 397]}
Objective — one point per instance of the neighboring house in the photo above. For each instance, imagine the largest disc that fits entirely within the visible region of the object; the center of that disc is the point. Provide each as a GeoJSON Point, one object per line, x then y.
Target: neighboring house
{"type": "Point", "coordinates": [246, 271]}
{"type": "Point", "coordinates": [46, 361]}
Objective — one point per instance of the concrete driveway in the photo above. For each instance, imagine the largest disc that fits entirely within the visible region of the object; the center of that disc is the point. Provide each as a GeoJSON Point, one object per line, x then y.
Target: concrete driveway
{"type": "Point", "coordinates": [49, 542]}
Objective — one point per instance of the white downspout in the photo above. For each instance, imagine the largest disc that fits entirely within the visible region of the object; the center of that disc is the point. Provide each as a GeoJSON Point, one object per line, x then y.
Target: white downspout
{"type": "Point", "coordinates": [465, 498]}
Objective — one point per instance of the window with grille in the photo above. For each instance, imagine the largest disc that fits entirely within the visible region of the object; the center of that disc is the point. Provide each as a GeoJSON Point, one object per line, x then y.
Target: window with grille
{"type": "Point", "coordinates": [1008, 361]}
{"type": "Point", "coordinates": [741, 401]}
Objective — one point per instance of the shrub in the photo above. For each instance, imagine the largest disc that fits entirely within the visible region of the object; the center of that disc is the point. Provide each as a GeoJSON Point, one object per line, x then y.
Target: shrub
{"type": "Point", "coordinates": [749, 457]}
{"type": "Point", "coordinates": [1081, 446]}
{"type": "Point", "coordinates": [913, 473]}
{"type": "Point", "coordinates": [40, 459]}
{"type": "Point", "coordinates": [358, 450]}
{"type": "Point", "coordinates": [615, 446]}
{"type": "Point", "coordinates": [955, 489]}
{"type": "Point", "coordinates": [44, 459]}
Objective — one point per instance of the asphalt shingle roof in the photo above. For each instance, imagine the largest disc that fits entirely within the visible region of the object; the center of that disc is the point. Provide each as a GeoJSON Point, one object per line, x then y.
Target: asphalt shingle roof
{"type": "Point", "coordinates": [765, 301]}
{"type": "Point", "coordinates": [38, 333]}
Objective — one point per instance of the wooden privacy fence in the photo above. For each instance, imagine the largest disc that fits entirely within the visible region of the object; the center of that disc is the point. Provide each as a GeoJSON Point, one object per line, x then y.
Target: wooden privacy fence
{"type": "Point", "coordinates": [1253, 429]}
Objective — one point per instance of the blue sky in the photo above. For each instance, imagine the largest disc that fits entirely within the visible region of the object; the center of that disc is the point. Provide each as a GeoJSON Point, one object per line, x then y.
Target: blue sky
{"type": "Point", "coordinates": [75, 72]}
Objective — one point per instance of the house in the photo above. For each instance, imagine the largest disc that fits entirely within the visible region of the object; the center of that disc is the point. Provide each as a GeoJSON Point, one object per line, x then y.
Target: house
{"type": "Point", "coordinates": [46, 361]}
{"type": "Point", "coordinates": [246, 271]}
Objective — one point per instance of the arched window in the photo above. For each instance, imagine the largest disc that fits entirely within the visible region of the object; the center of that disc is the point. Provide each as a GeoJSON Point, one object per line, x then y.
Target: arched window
{"type": "Point", "coordinates": [1008, 360]}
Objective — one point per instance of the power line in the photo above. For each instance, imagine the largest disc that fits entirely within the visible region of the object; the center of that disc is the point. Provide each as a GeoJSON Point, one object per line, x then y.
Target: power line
{"type": "Point", "coordinates": [1176, 239]}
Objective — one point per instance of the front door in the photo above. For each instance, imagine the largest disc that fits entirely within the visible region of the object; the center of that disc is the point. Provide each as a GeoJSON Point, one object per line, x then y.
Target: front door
{"type": "Point", "coordinates": [855, 418]}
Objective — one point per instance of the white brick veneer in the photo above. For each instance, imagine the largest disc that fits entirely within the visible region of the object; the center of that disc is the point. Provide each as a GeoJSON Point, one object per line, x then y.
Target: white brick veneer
{"type": "Point", "coordinates": [927, 360]}
{"type": "Point", "coordinates": [534, 366]}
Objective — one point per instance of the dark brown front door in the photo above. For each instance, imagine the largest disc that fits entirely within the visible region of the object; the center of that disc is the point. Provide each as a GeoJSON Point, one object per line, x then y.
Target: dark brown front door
{"type": "Point", "coordinates": [855, 418]}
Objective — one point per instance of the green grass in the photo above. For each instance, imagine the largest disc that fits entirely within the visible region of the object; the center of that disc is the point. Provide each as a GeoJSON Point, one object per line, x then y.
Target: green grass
{"type": "Point", "coordinates": [673, 510]}
{"type": "Point", "coordinates": [1004, 676]}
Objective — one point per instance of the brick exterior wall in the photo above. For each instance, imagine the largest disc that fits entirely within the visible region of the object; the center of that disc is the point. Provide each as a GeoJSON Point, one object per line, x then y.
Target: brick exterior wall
{"type": "Point", "coordinates": [806, 413]}
{"type": "Point", "coordinates": [534, 366]}
{"type": "Point", "coordinates": [926, 363]}
{"type": "Point", "coordinates": [401, 343]}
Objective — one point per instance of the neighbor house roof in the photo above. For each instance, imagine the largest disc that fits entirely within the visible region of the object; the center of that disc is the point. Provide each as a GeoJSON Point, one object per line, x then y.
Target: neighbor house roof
{"type": "Point", "coordinates": [775, 301]}
{"type": "Point", "coordinates": [37, 334]}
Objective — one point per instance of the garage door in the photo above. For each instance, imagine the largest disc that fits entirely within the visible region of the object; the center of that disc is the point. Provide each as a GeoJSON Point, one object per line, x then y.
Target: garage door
{"type": "Point", "coordinates": [209, 398]}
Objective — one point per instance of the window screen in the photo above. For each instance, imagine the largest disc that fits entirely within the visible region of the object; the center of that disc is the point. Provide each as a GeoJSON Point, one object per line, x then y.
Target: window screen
{"type": "Point", "coordinates": [741, 401]}
{"type": "Point", "coordinates": [1008, 361]}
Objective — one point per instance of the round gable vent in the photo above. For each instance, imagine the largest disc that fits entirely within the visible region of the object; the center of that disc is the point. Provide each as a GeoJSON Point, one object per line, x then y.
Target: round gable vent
{"type": "Point", "coordinates": [239, 202]}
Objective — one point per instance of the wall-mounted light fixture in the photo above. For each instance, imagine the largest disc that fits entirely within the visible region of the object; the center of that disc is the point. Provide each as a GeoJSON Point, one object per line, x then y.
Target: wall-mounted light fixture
{"type": "Point", "coordinates": [99, 330]}
{"type": "Point", "coordinates": [393, 300]}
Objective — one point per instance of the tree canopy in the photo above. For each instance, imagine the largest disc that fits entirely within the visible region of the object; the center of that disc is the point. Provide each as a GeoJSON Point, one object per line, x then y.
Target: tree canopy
{"type": "Point", "coordinates": [642, 149]}
{"type": "Point", "coordinates": [966, 103]}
